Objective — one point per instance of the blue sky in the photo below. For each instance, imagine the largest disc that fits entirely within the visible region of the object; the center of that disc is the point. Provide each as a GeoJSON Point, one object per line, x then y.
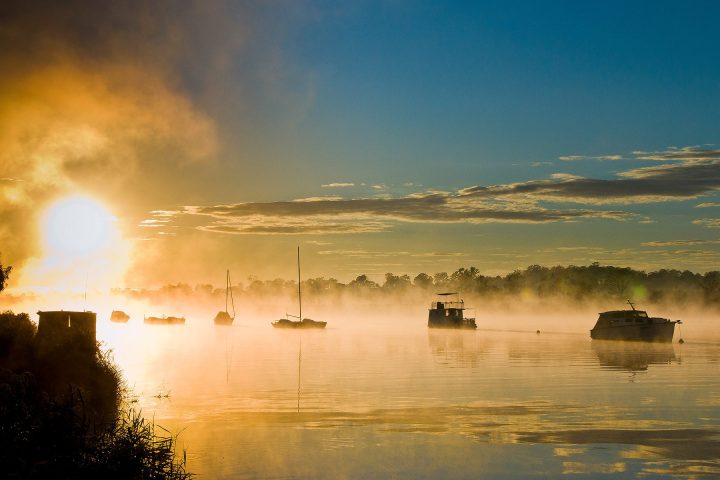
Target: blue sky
{"type": "Point", "coordinates": [423, 136]}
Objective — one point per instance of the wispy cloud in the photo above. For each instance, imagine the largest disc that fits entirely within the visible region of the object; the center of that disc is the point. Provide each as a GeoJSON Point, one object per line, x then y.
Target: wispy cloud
{"type": "Point", "coordinates": [682, 176]}
{"type": "Point", "coordinates": [366, 215]}
{"type": "Point", "coordinates": [678, 243]}
{"type": "Point", "coordinates": [708, 222]}
{"type": "Point", "coordinates": [707, 205]}
{"type": "Point", "coordinates": [689, 173]}
{"type": "Point", "coordinates": [575, 158]}
{"type": "Point", "coordinates": [338, 185]}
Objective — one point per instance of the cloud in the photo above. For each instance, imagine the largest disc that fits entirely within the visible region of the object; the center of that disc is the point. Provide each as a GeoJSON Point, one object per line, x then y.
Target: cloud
{"type": "Point", "coordinates": [708, 222]}
{"type": "Point", "coordinates": [684, 153]}
{"type": "Point", "coordinates": [338, 185]}
{"type": "Point", "coordinates": [678, 243]}
{"type": "Point", "coordinates": [707, 205]}
{"type": "Point", "coordinates": [688, 174]}
{"type": "Point", "coordinates": [370, 215]}
{"type": "Point", "coordinates": [681, 177]}
{"type": "Point", "coordinates": [575, 158]}
{"type": "Point", "coordinates": [89, 98]}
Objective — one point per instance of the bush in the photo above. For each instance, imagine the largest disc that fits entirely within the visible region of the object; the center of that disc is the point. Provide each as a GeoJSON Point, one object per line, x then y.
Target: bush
{"type": "Point", "coordinates": [61, 414]}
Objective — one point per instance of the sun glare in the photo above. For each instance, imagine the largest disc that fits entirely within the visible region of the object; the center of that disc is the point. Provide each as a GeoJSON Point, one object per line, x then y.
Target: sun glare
{"type": "Point", "coordinates": [78, 226]}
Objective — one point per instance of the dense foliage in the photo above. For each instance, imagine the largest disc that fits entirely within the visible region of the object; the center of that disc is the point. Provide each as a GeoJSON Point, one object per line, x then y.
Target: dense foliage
{"type": "Point", "coordinates": [591, 283]}
{"type": "Point", "coordinates": [61, 414]}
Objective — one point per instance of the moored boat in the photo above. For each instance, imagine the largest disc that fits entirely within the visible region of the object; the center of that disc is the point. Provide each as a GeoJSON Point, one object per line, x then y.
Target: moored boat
{"type": "Point", "coordinates": [304, 323]}
{"type": "Point", "coordinates": [449, 313]}
{"type": "Point", "coordinates": [224, 318]}
{"type": "Point", "coordinates": [118, 316]}
{"type": "Point", "coordinates": [165, 320]}
{"type": "Point", "coordinates": [300, 322]}
{"type": "Point", "coordinates": [633, 325]}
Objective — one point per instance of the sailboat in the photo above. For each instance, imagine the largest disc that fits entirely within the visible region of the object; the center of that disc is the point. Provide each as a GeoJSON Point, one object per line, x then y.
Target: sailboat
{"type": "Point", "coordinates": [300, 322]}
{"type": "Point", "coordinates": [224, 318]}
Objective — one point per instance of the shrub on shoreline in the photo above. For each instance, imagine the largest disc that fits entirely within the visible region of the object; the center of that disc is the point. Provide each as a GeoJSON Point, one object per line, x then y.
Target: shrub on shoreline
{"type": "Point", "coordinates": [61, 415]}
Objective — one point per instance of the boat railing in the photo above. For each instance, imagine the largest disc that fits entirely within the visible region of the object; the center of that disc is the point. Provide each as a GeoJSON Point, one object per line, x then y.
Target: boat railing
{"type": "Point", "coordinates": [458, 305]}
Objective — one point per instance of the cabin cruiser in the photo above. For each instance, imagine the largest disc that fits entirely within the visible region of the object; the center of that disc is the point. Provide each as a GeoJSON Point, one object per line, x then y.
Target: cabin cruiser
{"type": "Point", "coordinates": [449, 313]}
{"type": "Point", "coordinates": [633, 325]}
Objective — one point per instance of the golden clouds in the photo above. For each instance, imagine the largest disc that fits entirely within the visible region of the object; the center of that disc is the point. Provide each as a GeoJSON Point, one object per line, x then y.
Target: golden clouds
{"type": "Point", "coordinates": [87, 101]}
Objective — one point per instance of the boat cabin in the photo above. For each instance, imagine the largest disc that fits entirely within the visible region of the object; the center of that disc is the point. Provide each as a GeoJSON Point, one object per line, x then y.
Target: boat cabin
{"type": "Point", "coordinates": [632, 325]}
{"type": "Point", "coordinates": [449, 312]}
{"type": "Point", "coordinates": [619, 317]}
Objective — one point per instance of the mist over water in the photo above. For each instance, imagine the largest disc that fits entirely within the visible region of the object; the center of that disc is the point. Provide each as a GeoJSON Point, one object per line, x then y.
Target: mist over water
{"type": "Point", "coordinates": [377, 394]}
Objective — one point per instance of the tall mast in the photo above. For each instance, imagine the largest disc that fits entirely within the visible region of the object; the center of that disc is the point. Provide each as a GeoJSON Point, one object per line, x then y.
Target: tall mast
{"type": "Point", "coordinates": [299, 297]}
{"type": "Point", "coordinates": [227, 287]}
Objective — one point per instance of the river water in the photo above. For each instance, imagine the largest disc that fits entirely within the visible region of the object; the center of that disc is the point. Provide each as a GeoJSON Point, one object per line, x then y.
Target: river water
{"type": "Point", "coordinates": [374, 400]}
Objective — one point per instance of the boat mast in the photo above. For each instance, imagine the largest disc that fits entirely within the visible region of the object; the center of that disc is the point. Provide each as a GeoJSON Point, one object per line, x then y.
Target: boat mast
{"type": "Point", "coordinates": [227, 286]}
{"type": "Point", "coordinates": [299, 296]}
{"type": "Point", "coordinates": [229, 289]}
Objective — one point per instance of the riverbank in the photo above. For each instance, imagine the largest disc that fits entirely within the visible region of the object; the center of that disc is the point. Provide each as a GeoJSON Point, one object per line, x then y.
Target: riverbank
{"type": "Point", "coordinates": [63, 414]}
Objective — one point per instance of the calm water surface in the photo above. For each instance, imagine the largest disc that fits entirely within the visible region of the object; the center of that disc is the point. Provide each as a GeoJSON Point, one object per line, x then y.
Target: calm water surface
{"type": "Point", "coordinates": [362, 400]}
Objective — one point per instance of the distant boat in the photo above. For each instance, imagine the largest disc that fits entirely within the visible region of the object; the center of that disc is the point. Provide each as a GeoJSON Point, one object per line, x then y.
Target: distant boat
{"type": "Point", "coordinates": [165, 320]}
{"type": "Point", "coordinates": [634, 325]}
{"type": "Point", "coordinates": [300, 322]}
{"type": "Point", "coordinates": [119, 316]}
{"type": "Point", "coordinates": [449, 313]}
{"type": "Point", "coordinates": [224, 318]}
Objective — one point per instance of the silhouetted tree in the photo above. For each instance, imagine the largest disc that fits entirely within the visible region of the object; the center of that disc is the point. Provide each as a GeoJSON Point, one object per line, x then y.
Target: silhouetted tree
{"type": "Point", "coordinates": [423, 280]}
{"type": "Point", "coordinates": [362, 282]}
{"type": "Point", "coordinates": [4, 274]}
{"type": "Point", "coordinates": [440, 280]}
{"type": "Point", "coordinates": [396, 283]}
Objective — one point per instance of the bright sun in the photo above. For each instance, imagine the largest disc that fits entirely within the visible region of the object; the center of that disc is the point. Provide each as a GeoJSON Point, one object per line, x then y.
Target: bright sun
{"type": "Point", "coordinates": [78, 225]}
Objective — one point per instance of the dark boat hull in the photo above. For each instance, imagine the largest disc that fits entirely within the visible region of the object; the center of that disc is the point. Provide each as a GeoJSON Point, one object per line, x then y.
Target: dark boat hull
{"type": "Point", "coordinates": [305, 323]}
{"type": "Point", "coordinates": [223, 318]}
{"type": "Point", "coordinates": [165, 320]}
{"type": "Point", "coordinates": [657, 332]}
{"type": "Point", "coordinates": [118, 316]}
{"type": "Point", "coordinates": [466, 323]}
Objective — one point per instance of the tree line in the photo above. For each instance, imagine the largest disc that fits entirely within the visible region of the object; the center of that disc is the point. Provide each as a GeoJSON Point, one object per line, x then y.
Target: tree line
{"type": "Point", "coordinates": [587, 283]}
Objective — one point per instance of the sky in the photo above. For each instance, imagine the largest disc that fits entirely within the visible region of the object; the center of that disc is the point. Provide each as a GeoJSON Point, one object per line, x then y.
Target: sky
{"type": "Point", "coordinates": [379, 136]}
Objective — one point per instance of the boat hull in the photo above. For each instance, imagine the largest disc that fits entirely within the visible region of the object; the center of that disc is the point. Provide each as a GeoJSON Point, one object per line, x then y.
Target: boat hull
{"type": "Point", "coordinates": [657, 332]}
{"type": "Point", "coordinates": [305, 323]}
{"type": "Point", "coordinates": [465, 323]}
{"type": "Point", "coordinates": [223, 318]}
{"type": "Point", "coordinates": [165, 320]}
{"type": "Point", "coordinates": [118, 316]}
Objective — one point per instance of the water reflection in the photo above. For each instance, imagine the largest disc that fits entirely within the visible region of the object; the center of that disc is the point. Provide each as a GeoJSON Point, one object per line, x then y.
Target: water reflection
{"type": "Point", "coordinates": [456, 348]}
{"type": "Point", "coordinates": [253, 402]}
{"type": "Point", "coordinates": [633, 356]}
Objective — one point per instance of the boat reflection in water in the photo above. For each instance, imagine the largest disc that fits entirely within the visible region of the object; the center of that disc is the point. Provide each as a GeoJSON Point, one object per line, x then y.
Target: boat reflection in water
{"type": "Point", "coordinates": [633, 325]}
{"type": "Point", "coordinates": [633, 356]}
{"type": "Point", "coordinates": [455, 348]}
